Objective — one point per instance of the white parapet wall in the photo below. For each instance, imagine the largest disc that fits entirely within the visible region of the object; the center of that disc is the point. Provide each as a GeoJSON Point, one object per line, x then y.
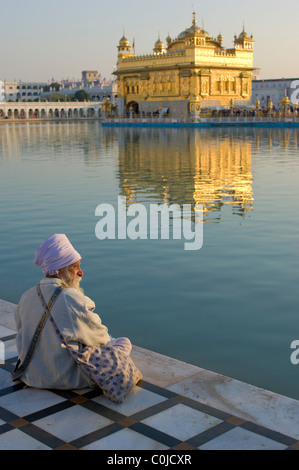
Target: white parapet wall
{"type": "Point", "coordinates": [50, 109]}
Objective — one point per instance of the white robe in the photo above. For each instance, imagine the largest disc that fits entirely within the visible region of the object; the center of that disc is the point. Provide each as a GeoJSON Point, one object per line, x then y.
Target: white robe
{"type": "Point", "coordinates": [51, 365]}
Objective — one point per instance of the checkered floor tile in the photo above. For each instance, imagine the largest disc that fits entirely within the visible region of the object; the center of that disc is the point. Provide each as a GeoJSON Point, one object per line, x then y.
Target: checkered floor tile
{"type": "Point", "coordinates": [151, 418]}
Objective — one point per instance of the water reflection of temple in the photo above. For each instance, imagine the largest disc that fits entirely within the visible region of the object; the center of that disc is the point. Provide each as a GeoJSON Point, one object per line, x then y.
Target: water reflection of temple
{"type": "Point", "coordinates": [210, 167]}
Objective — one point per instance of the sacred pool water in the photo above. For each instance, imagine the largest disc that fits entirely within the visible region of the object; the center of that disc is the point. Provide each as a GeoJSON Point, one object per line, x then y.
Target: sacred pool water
{"type": "Point", "coordinates": [230, 306]}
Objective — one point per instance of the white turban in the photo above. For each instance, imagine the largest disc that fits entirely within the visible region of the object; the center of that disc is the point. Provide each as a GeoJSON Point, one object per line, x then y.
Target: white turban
{"type": "Point", "coordinates": [55, 252]}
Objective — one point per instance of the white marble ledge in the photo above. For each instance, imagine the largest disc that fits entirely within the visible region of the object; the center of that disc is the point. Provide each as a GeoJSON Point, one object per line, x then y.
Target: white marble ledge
{"type": "Point", "coordinates": [162, 370]}
{"type": "Point", "coordinates": [245, 401]}
{"type": "Point", "coordinates": [262, 407]}
{"type": "Point", "coordinates": [7, 314]}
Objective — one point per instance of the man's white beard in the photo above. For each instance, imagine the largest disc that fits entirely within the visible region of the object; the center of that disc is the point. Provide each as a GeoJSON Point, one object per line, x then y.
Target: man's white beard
{"type": "Point", "coordinates": [72, 282]}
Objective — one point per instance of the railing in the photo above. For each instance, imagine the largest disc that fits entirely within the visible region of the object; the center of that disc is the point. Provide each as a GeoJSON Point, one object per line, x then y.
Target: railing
{"type": "Point", "coordinates": [153, 56]}
{"type": "Point", "coordinates": [211, 120]}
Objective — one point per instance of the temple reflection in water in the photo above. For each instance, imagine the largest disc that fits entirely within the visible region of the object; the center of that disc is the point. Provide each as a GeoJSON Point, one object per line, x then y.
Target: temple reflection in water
{"type": "Point", "coordinates": [209, 167]}
{"type": "Point", "coordinates": [212, 167]}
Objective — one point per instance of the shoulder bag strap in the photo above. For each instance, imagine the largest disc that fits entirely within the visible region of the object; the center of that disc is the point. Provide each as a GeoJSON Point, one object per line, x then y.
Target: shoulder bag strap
{"type": "Point", "coordinates": [47, 309]}
{"type": "Point", "coordinates": [20, 368]}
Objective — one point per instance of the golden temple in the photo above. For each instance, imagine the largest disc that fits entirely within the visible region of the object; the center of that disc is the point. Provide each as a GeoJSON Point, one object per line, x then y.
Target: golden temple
{"type": "Point", "coordinates": [191, 72]}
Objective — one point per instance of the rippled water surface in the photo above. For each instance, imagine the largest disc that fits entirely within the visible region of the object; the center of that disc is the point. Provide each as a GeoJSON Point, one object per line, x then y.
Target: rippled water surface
{"type": "Point", "coordinates": [230, 307]}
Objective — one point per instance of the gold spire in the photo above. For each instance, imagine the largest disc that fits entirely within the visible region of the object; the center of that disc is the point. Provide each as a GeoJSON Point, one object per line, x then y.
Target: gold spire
{"type": "Point", "coordinates": [159, 46]}
{"type": "Point", "coordinates": [194, 19]}
{"type": "Point", "coordinates": [159, 42]}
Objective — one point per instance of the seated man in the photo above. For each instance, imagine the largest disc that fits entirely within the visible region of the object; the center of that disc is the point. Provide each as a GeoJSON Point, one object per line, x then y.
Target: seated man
{"type": "Point", "coordinates": [51, 365]}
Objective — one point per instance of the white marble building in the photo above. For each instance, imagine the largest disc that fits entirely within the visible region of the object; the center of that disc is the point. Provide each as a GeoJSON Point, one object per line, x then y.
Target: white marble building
{"type": "Point", "coordinates": [97, 87]}
{"type": "Point", "coordinates": [11, 90]}
{"type": "Point", "coordinates": [93, 83]}
{"type": "Point", "coordinates": [274, 90]}
{"type": "Point", "coordinates": [2, 92]}
{"type": "Point", "coordinates": [30, 90]}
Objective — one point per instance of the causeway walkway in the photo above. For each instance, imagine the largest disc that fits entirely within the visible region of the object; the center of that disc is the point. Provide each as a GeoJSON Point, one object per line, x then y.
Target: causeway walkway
{"type": "Point", "coordinates": [205, 123]}
{"type": "Point", "coordinates": [177, 407]}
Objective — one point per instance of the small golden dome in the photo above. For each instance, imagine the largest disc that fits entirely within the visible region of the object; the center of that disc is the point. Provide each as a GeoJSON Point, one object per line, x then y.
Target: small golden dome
{"type": "Point", "coordinates": [243, 34]}
{"type": "Point", "coordinates": [159, 46]}
{"type": "Point", "coordinates": [159, 43]}
{"type": "Point", "coordinates": [124, 41]}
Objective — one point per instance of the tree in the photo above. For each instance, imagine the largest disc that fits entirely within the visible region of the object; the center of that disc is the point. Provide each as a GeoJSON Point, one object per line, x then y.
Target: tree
{"type": "Point", "coordinates": [56, 97]}
{"type": "Point", "coordinates": [82, 95]}
{"type": "Point", "coordinates": [55, 86]}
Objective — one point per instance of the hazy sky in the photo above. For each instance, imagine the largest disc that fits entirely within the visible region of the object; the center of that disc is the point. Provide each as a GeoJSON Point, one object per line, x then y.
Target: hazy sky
{"type": "Point", "coordinates": [41, 40]}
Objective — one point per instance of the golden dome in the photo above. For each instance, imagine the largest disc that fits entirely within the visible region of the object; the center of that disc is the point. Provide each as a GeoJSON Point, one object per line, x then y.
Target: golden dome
{"type": "Point", "coordinates": [159, 43]}
{"type": "Point", "coordinates": [124, 41]}
{"type": "Point", "coordinates": [243, 35]}
{"type": "Point", "coordinates": [182, 35]}
{"type": "Point", "coordinates": [193, 29]}
{"type": "Point", "coordinates": [159, 46]}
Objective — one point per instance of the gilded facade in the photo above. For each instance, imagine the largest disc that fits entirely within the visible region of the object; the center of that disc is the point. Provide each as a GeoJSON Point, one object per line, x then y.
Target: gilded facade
{"type": "Point", "coordinates": [190, 72]}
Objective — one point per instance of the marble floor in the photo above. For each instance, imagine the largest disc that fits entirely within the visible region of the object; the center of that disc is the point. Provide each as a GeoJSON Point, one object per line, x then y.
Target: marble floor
{"type": "Point", "coordinates": [177, 406]}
